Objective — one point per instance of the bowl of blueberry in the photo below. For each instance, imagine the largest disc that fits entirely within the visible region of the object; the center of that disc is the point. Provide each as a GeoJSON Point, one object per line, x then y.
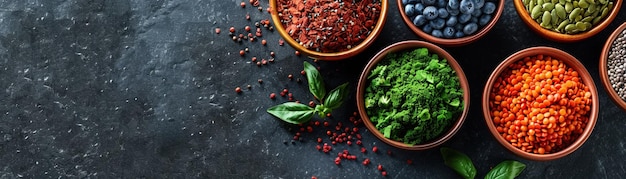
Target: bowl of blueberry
{"type": "Point", "coordinates": [450, 22]}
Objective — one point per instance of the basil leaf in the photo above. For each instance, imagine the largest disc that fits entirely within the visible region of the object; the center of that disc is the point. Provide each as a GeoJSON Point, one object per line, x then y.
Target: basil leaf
{"type": "Point", "coordinates": [336, 96]}
{"type": "Point", "coordinates": [316, 82]}
{"type": "Point", "coordinates": [506, 170]}
{"type": "Point", "coordinates": [292, 112]}
{"type": "Point", "coordinates": [459, 162]}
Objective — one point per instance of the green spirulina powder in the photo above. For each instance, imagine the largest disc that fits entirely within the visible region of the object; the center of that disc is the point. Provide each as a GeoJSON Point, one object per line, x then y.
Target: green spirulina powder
{"type": "Point", "coordinates": [616, 63]}
{"type": "Point", "coordinates": [413, 96]}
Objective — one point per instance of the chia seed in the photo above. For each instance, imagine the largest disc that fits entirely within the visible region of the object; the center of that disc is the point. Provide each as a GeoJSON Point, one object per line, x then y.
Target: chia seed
{"type": "Point", "coordinates": [616, 64]}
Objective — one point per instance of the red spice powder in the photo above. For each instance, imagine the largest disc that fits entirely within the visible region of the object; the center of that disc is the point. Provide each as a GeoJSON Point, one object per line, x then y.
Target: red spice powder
{"type": "Point", "coordinates": [328, 25]}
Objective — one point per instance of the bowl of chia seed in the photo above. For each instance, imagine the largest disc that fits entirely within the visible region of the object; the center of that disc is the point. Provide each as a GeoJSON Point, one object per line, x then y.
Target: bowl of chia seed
{"type": "Point", "coordinates": [613, 66]}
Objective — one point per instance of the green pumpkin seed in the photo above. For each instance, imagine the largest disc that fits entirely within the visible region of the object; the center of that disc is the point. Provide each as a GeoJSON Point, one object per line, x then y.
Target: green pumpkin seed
{"type": "Point", "coordinates": [574, 14]}
{"type": "Point", "coordinates": [583, 4]}
{"type": "Point", "coordinates": [587, 19]}
{"type": "Point", "coordinates": [581, 26]}
{"type": "Point", "coordinates": [539, 2]}
{"type": "Point", "coordinates": [571, 28]}
{"type": "Point", "coordinates": [555, 18]}
{"type": "Point", "coordinates": [605, 11]}
{"type": "Point", "coordinates": [547, 6]}
{"type": "Point", "coordinates": [560, 11]}
{"type": "Point", "coordinates": [546, 18]}
{"type": "Point", "coordinates": [569, 7]}
{"type": "Point", "coordinates": [602, 1]}
{"type": "Point", "coordinates": [562, 25]}
{"type": "Point", "coordinates": [536, 12]}
{"type": "Point", "coordinates": [561, 2]}
{"type": "Point", "coordinates": [596, 20]}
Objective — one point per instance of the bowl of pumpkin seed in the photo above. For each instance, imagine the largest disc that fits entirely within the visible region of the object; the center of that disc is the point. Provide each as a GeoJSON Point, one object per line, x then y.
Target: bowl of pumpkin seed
{"type": "Point", "coordinates": [567, 20]}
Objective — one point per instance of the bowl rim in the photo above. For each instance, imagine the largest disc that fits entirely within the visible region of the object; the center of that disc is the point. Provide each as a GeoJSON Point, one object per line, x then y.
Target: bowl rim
{"type": "Point", "coordinates": [380, 23]}
{"type": "Point", "coordinates": [455, 41]}
{"type": "Point", "coordinates": [401, 46]}
{"type": "Point", "coordinates": [572, 62]}
{"type": "Point", "coordinates": [604, 76]}
{"type": "Point", "coordinates": [559, 37]}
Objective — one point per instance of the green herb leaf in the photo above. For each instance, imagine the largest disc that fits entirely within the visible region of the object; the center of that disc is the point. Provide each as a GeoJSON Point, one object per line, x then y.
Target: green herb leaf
{"type": "Point", "coordinates": [459, 162]}
{"type": "Point", "coordinates": [316, 82]}
{"type": "Point", "coordinates": [336, 96]}
{"type": "Point", "coordinates": [508, 169]}
{"type": "Point", "coordinates": [292, 112]}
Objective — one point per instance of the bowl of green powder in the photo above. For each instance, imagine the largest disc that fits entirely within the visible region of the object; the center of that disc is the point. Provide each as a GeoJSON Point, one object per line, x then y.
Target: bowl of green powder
{"type": "Point", "coordinates": [413, 95]}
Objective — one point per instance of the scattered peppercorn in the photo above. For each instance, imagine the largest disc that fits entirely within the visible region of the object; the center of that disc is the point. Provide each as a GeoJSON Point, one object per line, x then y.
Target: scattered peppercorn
{"type": "Point", "coordinates": [253, 59]}
{"type": "Point", "coordinates": [281, 42]}
{"type": "Point", "coordinates": [232, 30]}
{"type": "Point", "coordinates": [273, 96]}
{"type": "Point", "coordinates": [290, 76]}
{"type": "Point", "coordinates": [247, 28]}
{"type": "Point", "coordinates": [243, 4]}
{"type": "Point", "coordinates": [238, 89]}
{"type": "Point", "coordinates": [263, 42]}
{"type": "Point", "coordinates": [272, 54]}
{"type": "Point", "coordinates": [242, 52]}
{"type": "Point", "coordinates": [249, 86]}
{"type": "Point", "coordinates": [297, 53]}
{"type": "Point", "coordinates": [380, 167]}
{"type": "Point", "coordinates": [260, 80]}
{"type": "Point", "coordinates": [218, 30]}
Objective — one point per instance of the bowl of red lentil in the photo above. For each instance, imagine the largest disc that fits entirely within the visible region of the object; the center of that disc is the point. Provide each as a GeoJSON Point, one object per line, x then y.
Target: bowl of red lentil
{"type": "Point", "coordinates": [567, 21]}
{"type": "Point", "coordinates": [442, 107]}
{"type": "Point", "coordinates": [451, 22]}
{"type": "Point", "coordinates": [328, 29]}
{"type": "Point", "coordinates": [540, 103]}
{"type": "Point", "coordinates": [612, 70]}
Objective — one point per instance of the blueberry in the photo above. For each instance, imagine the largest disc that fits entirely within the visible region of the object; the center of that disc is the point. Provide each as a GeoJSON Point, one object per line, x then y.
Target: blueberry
{"type": "Point", "coordinates": [441, 3]}
{"type": "Point", "coordinates": [427, 29]}
{"type": "Point", "coordinates": [438, 23]}
{"type": "Point", "coordinates": [419, 20]}
{"type": "Point", "coordinates": [429, 2]}
{"type": "Point", "coordinates": [459, 34]}
{"type": "Point", "coordinates": [459, 27]}
{"type": "Point", "coordinates": [437, 33]}
{"type": "Point", "coordinates": [474, 20]}
{"type": "Point", "coordinates": [470, 28]}
{"type": "Point", "coordinates": [484, 19]}
{"type": "Point", "coordinates": [419, 8]}
{"type": "Point", "coordinates": [443, 13]}
{"type": "Point", "coordinates": [464, 18]}
{"type": "Point", "coordinates": [409, 10]}
{"type": "Point", "coordinates": [489, 8]}
{"type": "Point", "coordinates": [453, 12]}
{"type": "Point", "coordinates": [477, 13]}
{"type": "Point", "coordinates": [453, 4]}
{"type": "Point", "coordinates": [448, 32]}
{"type": "Point", "coordinates": [467, 6]}
{"type": "Point", "coordinates": [479, 4]}
{"type": "Point", "coordinates": [430, 12]}
{"type": "Point", "coordinates": [451, 21]}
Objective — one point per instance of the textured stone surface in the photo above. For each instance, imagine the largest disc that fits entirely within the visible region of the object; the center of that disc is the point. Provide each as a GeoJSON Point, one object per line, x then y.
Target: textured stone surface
{"type": "Point", "coordinates": [132, 89]}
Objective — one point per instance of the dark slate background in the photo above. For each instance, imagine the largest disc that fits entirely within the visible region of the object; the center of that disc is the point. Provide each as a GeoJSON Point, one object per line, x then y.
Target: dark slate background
{"type": "Point", "coordinates": [145, 89]}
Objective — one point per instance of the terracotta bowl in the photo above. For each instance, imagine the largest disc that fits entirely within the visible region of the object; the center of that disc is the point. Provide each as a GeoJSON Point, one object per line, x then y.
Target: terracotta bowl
{"type": "Point", "coordinates": [409, 45]}
{"type": "Point", "coordinates": [454, 41]}
{"type": "Point", "coordinates": [559, 37]}
{"type": "Point", "coordinates": [604, 77]}
{"type": "Point", "coordinates": [569, 60]}
{"type": "Point", "coordinates": [334, 55]}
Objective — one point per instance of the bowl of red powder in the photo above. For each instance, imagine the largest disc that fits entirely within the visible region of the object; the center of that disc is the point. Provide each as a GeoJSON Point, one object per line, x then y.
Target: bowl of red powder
{"type": "Point", "coordinates": [327, 29]}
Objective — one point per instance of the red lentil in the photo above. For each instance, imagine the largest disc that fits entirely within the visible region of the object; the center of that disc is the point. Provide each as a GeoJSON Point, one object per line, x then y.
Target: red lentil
{"type": "Point", "coordinates": [327, 25]}
{"type": "Point", "coordinates": [539, 104]}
